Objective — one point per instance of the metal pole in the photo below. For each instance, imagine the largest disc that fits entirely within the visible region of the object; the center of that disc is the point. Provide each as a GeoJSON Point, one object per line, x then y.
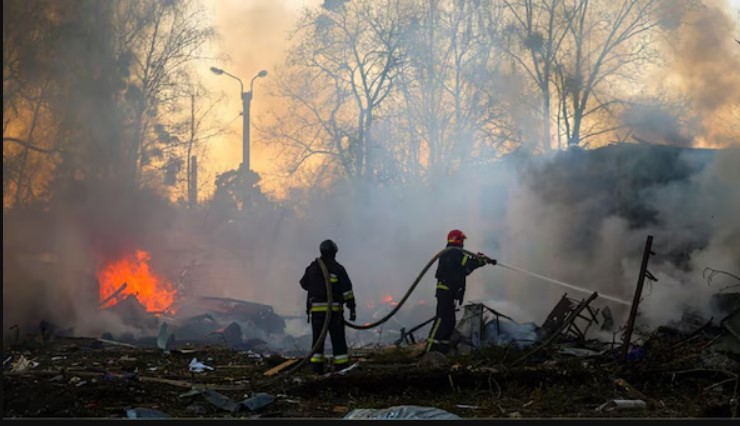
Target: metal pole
{"type": "Point", "coordinates": [193, 184]}
{"type": "Point", "coordinates": [246, 103]}
{"type": "Point", "coordinates": [638, 294]}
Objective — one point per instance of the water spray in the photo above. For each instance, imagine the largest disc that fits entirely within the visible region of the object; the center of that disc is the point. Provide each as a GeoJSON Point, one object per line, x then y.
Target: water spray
{"type": "Point", "coordinates": [571, 286]}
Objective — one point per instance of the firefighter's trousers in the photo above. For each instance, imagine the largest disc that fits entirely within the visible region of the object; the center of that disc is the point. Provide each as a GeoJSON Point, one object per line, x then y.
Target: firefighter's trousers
{"type": "Point", "coordinates": [338, 339]}
{"type": "Point", "coordinates": [444, 323]}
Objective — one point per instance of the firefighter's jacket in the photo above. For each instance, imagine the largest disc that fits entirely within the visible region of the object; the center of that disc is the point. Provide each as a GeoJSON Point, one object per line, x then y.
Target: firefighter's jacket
{"type": "Point", "coordinates": [313, 282]}
{"type": "Point", "coordinates": [453, 268]}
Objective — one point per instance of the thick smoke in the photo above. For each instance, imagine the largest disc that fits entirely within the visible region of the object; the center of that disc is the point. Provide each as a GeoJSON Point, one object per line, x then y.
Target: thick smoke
{"type": "Point", "coordinates": [704, 64]}
{"type": "Point", "coordinates": [52, 254]}
{"type": "Point", "coordinates": [538, 216]}
{"type": "Point", "coordinates": [554, 218]}
{"type": "Point", "coordinates": [580, 217]}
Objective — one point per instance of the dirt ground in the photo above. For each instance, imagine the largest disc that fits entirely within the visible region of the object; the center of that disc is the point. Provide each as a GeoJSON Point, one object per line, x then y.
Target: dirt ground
{"type": "Point", "coordinates": [77, 378]}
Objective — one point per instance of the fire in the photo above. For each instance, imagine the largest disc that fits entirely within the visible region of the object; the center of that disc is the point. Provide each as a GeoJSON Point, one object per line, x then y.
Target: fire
{"type": "Point", "coordinates": [388, 300]}
{"type": "Point", "coordinates": [385, 300]}
{"type": "Point", "coordinates": [152, 291]}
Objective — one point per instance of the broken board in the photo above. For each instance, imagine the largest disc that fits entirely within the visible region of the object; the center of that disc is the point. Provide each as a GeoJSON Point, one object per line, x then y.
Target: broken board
{"type": "Point", "coordinates": [278, 368]}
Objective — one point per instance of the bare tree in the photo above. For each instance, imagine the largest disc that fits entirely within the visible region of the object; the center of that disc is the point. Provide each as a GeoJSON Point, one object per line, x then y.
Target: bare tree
{"type": "Point", "coordinates": [602, 55]}
{"type": "Point", "coordinates": [31, 146]}
{"type": "Point", "coordinates": [338, 76]}
{"type": "Point", "coordinates": [391, 90]}
{"type": "Point", "coordinates": [448, 56]}
{"type": "Point", "coordinates": [191, 125]}
{"type": "Point", "coordinates": [91, 80]}
{"type": "Point", "coordinates": [541, 28]}
{"type": "Point", "coordinates": [159, 39]}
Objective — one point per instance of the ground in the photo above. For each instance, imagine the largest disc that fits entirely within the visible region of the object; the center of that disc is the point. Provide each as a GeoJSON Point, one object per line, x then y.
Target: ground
{"type": "Point", "coordinates": [87, 378]}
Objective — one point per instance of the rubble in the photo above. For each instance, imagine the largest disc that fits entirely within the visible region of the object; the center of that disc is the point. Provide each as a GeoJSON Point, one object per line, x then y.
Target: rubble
{"type": "Point", "coordinates": [500, 369]}
{"type": "Point", "coordinates": [403, 412]}
{"type": "Point", "coordinates": [234, 323]}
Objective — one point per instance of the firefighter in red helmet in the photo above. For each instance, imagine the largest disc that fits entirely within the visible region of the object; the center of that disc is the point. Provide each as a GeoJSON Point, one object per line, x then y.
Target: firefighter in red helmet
{"type": "Point", "coordinates": [452, 269]}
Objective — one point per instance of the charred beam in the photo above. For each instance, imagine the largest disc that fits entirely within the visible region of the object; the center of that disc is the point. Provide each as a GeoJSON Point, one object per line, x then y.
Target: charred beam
{"type": "Point", "coordinates": [114, 294]}
{"type": "Point", "coordinates": [644, 273]}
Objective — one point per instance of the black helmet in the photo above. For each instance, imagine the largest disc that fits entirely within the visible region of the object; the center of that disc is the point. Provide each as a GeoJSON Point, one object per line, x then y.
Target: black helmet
{"type": "Point", "coordinates": [328, 248]}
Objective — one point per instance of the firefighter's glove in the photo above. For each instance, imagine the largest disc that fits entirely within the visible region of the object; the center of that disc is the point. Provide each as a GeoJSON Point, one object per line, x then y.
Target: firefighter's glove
{"type": "Point", "coordinates": [460, 295]}
{"type": "Point", "coordinates": [352, 315]}
{"type": "Point", "coordinates": [486, 259]}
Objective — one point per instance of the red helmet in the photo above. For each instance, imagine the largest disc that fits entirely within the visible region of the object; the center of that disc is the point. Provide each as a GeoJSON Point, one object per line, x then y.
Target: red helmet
{"type": "Point", "coordinates": [456, 237]}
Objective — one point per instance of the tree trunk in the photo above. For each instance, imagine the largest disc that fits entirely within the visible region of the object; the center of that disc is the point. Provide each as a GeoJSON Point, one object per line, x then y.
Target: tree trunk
{"type": "Point", "coordinates": [546, 119]}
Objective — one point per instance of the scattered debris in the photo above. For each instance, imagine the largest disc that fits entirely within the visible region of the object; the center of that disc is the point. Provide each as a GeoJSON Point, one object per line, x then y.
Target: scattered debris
{"type": "Point", "coordinates": [566, 322]}
{"type": "Point", "coordinates": [683, 369]}
{"type": "Point", "coordinates": [587, 316]}
{"type": "Point", "coordinates": [113, 342]}
{"type": "Point", "coordinates": [166, 337]}
{"type": "Point", "coordinates": [622, 404]}
{"type": "Point", "coordinates": [468, 407]}
{"type": "Point", "coordinates": [221, 401]}
{"type": "Point", "coordinates": [23, 364]}
{"type": "Point", "coordinates": [146, 413]}
{"type": "Point", "coordinates": [197, 366]}
{"type": "Point", "coordinates": [433, 360]}
{"type": "Point", "coordinates": [629, 389]}
{"type": "Point", "coordinates": [258, 401]}
{"type": "Point", "coordinates": [731, 338]}
{"type": "Point", "coordinates": [401, 412]}
{"type": "Point", "coordinates": [231, 335]}
{"type": "Point", "coordinates": [280, 367]}
{"type": "Point", "coordinates": [114, 295]}
{"type": "Point", "coordinates": [342, 371]}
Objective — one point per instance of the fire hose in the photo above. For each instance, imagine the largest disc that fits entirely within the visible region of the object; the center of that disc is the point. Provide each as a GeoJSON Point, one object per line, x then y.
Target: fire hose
{"type": "Point", "coordinates": [388, 316]}
{"type": "Point", "coordinates": [411, 289]}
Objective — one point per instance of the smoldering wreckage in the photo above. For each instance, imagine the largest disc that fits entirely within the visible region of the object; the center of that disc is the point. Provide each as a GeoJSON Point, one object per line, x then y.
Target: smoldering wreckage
{"type": "Point", "coordinates": [221, 357]}
{"type": "Point", "coordinates": [215, 357]}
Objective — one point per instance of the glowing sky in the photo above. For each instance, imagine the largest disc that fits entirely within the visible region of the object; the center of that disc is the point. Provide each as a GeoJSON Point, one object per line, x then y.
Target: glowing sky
{"type": "Point", "coordinates": [254, 36]}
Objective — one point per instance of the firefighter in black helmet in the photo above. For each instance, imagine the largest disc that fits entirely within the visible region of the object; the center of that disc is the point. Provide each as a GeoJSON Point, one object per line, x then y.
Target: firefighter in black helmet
{"type": "Point", "coordinates": [317, 305]}
{"type": "Point", "coordinates": [453, 268]}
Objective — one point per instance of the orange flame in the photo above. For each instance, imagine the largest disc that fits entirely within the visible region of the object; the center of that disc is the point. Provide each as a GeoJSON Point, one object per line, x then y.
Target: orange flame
{"type": "Point", "coordinates": [385, 300]}
{"type": "Point", "coordinates": [388, 300]}
{"type": "Point", "coordinates": [152, 291]}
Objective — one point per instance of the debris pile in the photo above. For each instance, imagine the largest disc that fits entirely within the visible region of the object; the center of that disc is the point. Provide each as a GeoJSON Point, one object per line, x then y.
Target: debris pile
{"type": "Point", "coordinates": [499, 368]}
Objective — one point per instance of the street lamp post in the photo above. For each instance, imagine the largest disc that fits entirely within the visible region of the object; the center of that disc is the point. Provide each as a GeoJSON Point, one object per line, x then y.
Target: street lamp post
{"type": "Point", "coordinates": [246, 104]}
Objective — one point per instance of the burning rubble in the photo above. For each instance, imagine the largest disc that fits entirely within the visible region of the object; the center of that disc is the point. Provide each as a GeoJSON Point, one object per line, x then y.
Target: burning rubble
{"type": "Point", "coordinates": [152, 304]}
{"type": "Point", "coordinates": [200, 354]}
{"type": "Point", "coordinates": [492, 352]}
{"type": "Point", "coordinates": [134, 278]}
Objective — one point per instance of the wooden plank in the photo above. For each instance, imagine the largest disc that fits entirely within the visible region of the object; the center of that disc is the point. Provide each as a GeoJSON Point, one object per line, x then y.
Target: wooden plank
{"type": "Point", "coordinates": [285, 364]}
{"type": "Point", "coordinates": [178, 383]}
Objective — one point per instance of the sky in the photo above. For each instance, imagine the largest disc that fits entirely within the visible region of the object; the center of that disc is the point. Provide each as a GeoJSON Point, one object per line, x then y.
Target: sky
{"type": "Point", "coordinates": [255, 36]}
